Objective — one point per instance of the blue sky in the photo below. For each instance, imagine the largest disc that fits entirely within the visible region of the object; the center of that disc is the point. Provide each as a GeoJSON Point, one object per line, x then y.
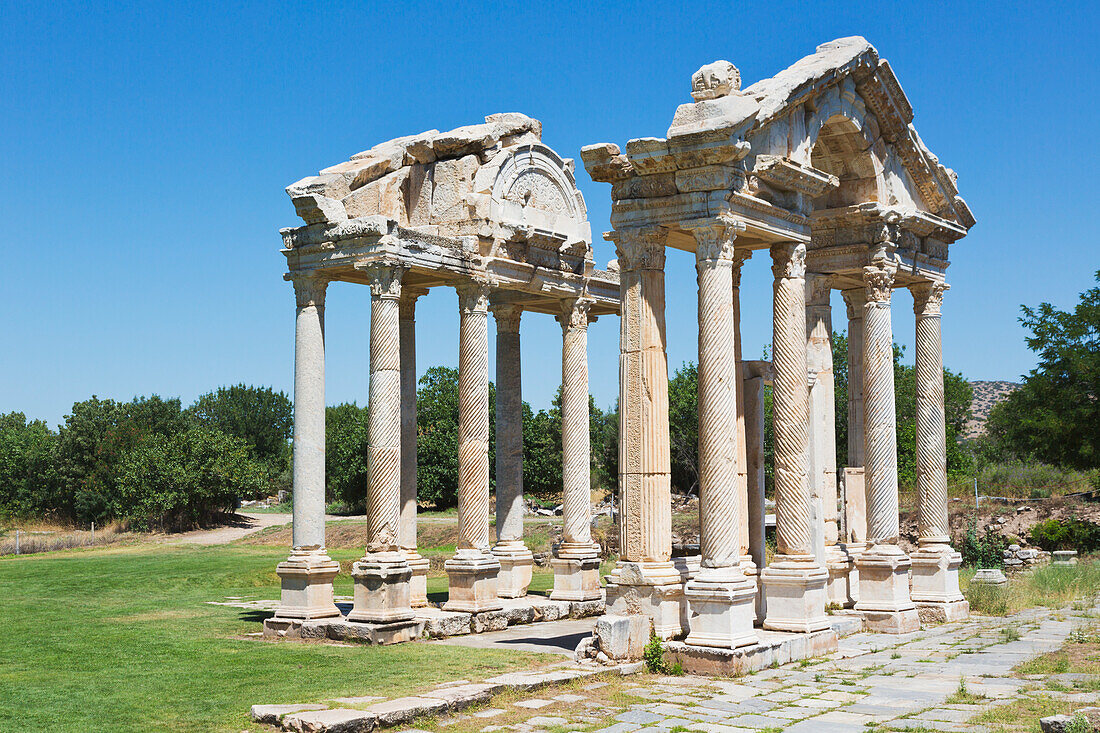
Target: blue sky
{"type": "Point", "coordinates": [145, 149]}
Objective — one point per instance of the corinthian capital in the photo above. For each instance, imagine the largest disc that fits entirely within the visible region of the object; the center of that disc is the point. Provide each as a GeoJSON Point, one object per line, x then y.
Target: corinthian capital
{"type": "Point", "coordinates": [928, 297]}
{"type": "Point", "coordinates": [575, 313]}
{"type": "Point", "coordinates": [879, 283]}
{"type": "Point", "coordinates": [507, 316]}
{"type": "Point", "coordinates": [788, 260]}
{"type": "Point", "coordinates": [854, 300]}
{"type": "Point", "coordinates": [309, 289]}
{"type": "Point", "coordinates": [384, 280]}
{"type": "Point", "coordinates": [641, 248]}
{"type": "Point", "coordinates": [473, 297]}
{"type": "Point", "coordinates": [714, 240]}
{"type": "Point", "coordinates": [818, 289]}
{"type": "Point", "coordinates": [407, 305]}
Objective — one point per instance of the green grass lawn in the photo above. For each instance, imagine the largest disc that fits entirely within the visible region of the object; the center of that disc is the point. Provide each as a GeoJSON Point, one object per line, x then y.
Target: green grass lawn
{"type": "Point", "coordinates": [122, 639]}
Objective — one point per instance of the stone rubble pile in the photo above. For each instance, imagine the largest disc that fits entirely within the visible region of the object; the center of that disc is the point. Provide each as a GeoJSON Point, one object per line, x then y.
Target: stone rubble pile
{"type": "Point", "coordinates": [1020, 558]}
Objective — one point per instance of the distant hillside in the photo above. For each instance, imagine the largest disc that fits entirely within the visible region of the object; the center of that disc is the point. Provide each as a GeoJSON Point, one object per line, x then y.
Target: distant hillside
{"type": "Point", "coordinates": [986, 394]}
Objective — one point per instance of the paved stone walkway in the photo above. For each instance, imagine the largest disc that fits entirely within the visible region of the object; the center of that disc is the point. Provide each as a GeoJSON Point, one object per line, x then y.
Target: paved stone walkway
{"type": "Point", "coordinates": [874, 682]}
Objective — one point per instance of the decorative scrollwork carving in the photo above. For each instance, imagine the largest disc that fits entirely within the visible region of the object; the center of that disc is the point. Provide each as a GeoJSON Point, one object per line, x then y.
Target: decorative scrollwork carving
{"type": "Point", "coordinates": [928, 297]}
{"type": "Point", "coordinates": [575, 313]}
{"type": "Point", "coordinates": [788, 260]}
{"type": "Point", "coordinates": [507, 316]}
{"type": "Point", "coordinates": [309, 289]}
{"type": "Point", "coordinates": [879, 282]}
{"type": "Point", "coordinates": [641, 248]}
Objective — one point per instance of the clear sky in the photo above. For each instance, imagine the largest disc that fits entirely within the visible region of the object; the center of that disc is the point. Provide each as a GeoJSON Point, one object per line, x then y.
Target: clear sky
{"type": "Point", "coordinates": [145, 148]}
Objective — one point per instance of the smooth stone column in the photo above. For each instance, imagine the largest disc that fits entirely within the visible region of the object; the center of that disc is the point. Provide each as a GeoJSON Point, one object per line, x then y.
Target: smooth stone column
{"type": "Point", "coordinates": [794, 584]}
{"type": "Point", "coordinates": [720, 597]}
{"type": "Point", "coordinates": [418, 584]}
{"type": "Point", "coordinates": [748, 563]}
{"type": "Point", "coordinates": [306, 576]}
{"type": "Point", "coordinates": [935, 584]}
{"type": "Point", "coordinates": [754, 442]}
{"type": "Point", "coordinates": [577, 561]}
{"type": "Point", "coordinates": [855, 497]}
{"type": "Point", "coordinates": [644, 580]}
{"type": "Point", "coordinates": [516, 561]}
{"type": "Point", "coordinates": [473, 570]}
{"type": "Point", "coordinates": [883, 567]}
{"type": "Point", "coordinates": [382, 577]}
{"type": "Point", "coordinates": [819, 348]}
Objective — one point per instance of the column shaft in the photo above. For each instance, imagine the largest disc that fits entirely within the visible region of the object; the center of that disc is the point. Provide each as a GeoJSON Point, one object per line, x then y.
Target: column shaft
{"type": "Point", "coordinates": [754, 441]}
{"type": "Point", "coordinates": [880, 431]}
{"type": "Point", "coordinates": [473, 420]}
{"type": "Point", "coordinates": [739, 257]}
{"type": "Point", "coordinates": [855, 300]}
{"type": "Point", "coordinates": [418, 584]}
{"type": "Point", "coordinates": [819, 343]}
{"type": "Point", "coordinates": [931, 433]}
{"type": "Point", "coordinates": [509, 426]}
{"type": "Point", "coordinates": [575, 431]}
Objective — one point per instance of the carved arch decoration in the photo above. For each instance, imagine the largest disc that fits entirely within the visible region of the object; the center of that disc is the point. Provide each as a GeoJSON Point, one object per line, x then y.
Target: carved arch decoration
{"type": "Point", "coordinates": [844, 140]}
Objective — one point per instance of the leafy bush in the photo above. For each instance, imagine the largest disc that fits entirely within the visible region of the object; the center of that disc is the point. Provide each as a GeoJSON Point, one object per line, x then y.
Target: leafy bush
{"type": "Point", "coordinates": [28, 466]}
{"type": "Point", "coordinates": [260, 416]}
{"type": "Point", "coordinates": [346, 455]}
{"type": "Point", "coordinates": [178, 482]}
{"type": "Point", "coordinates": [654, 657]}
{"type": "Point", "coordinates": [984, 551]}
{"type": "Point", "coordinates": [1069, 534]}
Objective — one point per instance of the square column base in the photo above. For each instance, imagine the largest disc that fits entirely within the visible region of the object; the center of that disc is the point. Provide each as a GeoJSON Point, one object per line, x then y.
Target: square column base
{"type": "Point", "coordinates": [840, 565]}
{"type": "Point", "coordinates": [306, 578]}
{"type": "Point", "coordinates": [576, 579]}
{"type": "Point", "coordinates": [418, 583]}
{"type": "Point", "coordinates": [516, 566]}
{"type": "Point", "coordinates": [652, 589]}
{"type": "Point", "coordinates": [721, 608]}
{"type": "Point", "coordinates": [381, 591]}
{"type": "Point", "coordinates": [795, 596]}
{"type": "Point", "coordinates": [884, 600]}
{"type": "Point", "coordinates": [855, 551]}
{"type": "Point", "coordinates": [936, 575]}
{"type": "Point", "coordinates": [472, 579]}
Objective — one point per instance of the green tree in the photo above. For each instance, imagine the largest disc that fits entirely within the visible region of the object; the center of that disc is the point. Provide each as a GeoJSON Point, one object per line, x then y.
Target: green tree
{"type": "Point", "coordinates": [28, 467]}
{"type": "Point", "coordinates": [683, 428]}
{"type": "Point", "coordinates": [542, 457]}
{"type": "Point", "coordinates": [1054, 416]}
{"type": "Point", "coordinates": [186, 479]}
{"type": "Point", "coordinates": [260, 416]}
{"type": "Point", "coordinates": [346, 455]}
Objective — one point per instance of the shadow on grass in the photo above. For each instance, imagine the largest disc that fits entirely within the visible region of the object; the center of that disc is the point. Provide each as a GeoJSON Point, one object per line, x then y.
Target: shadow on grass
{"type": "Point", "coordinates": [256, 616]}
{"type": "Point", "coordinates": [438, 597]}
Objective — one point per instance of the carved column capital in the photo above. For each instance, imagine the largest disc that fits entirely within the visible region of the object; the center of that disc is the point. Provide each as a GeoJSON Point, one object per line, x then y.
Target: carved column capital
{"type": "Point", "coordinates": [407, 304]}
{"type": "Point", "coordinates": [507, 316]}
{"type": "Point", "coordinates": [384, 280]}
{"type": "Point", "coordinates": [854, 299]}
{"type": "Point", "coordinates": [714, 240]}
{"type": "Point", "coordinates": [819, 288]}
{"type": "Point", "coordinates": [740, 257]}
{"type": "Point", "coordinates": [473, 297]}
{"type": "Point", "coordinates": [879, 283]}
{"type": "Point", "coordinates": [641, 248]}
{"type": "Point", "coordinates": [788, 260]}
{"type": "Point", "coordinates": [928, 297]}
{"type": "Point", "coordinates": [309, 289]}
{"type": "Point", "coordinates": [574, 313]}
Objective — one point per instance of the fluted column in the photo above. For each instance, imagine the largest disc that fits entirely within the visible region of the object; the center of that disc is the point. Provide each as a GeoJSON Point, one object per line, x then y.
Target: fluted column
{"type": "Point", "coordinates": [516, 561]}
{"type": "Point", "coordinates": [754, 465]}
{"type": "Point", "coordinates": [884, 567]}
{"type": "Point", "coordinates": [748, 565]}
{"type": "Point", "coordinates": [855, 300]}
{"type": "Point", "coordinates": [418, 584]}
{"type": "Point", "coordinates": [306, 576]}
{"type": "Point", "coordinates": [645, 524]}
{"type": "Point", "coordinates": [802, 609]}
{"type": "Point", "coordinates": [935, 564]}
{"type": "Point", "coordinates": [720, 596]}
{"type": "Point", "coordinates": [473, 570]}
{"type": "Point", "coordinates": [576, 565]}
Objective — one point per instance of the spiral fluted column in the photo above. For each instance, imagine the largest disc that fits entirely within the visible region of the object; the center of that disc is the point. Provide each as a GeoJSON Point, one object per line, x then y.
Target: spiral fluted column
{"type": "Point", "coordinates": [306, 576]}
{"type": "Point", "coordinates": [473, 570]}
{"type": "Point", "coordinates": [747, 563]}
{"type": "Point", "coordinates": [794, 584]}
{"type": "Point", "coordinates": [644, 580]}
{"type": "Point", "coordinates": [418, 584]}
{"type": "Point", "coordinates": [576, 563]}
{"type": "Point", "coordinates": [855, 300]}
{"type": "Point", "coordinates": [720, 596]}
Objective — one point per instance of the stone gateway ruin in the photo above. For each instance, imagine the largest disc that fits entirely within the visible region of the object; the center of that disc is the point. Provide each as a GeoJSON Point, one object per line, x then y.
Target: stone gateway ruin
{"type": "Point", "coordinates": [818, 168]}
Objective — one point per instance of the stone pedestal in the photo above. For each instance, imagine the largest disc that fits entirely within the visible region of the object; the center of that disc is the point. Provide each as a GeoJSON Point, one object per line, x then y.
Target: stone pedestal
{"type": "Point", "coordinates": [516, 564]}
{"type": "Point", "coordinates": [654, 589]}
{"type": "Point", "coordinates": [306, 579]}
{"type": "Point", "coordinates": [935, 583]}
{"type": "Point", "coordinates": [418, 583]}
{"type": "Point", "coordinates": [721, 609]}
{"type": "Point", "coordinates": [855, 551]}
{"type": "Point", "coordinates": [840, 565]}
{"type": "Point", "coordinates": [795, 596]}
{"type": "Point", "coordinates": [884, 598]}
{"type": "Point", "coordinates": [576, 579]}
{"type": "Point", "coordinates": [472, 578]}
{"type": "Point", "coordinates": [381, 588]}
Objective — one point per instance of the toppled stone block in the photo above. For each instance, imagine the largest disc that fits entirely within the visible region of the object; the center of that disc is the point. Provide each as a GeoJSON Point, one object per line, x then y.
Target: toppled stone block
{"type": "Point", "coordinates": [1065, 557]}
{"type": "Point", "coordinates": [404, 709]}
{"type": "Point", "coordinates": [447, 623]}
{"type": "Point", "coordinates": [622, 637]}
{"type": "Point", "coordinates": [315, 209]}
{"type": "Point", "coordinates": [337, 720]}
{"type": "Point", "coordinates": [989, 576]}
{"type": "Point", "coordinates": [489, 621]}
{"type": "Point", "coordinates": [273, 714]}
{"type": "Point", "coordinates": [584, 609]}
{"type": "Point", "coordinates": [463, 696]}
{"type": "Point", "coordinates": [1063, 723]}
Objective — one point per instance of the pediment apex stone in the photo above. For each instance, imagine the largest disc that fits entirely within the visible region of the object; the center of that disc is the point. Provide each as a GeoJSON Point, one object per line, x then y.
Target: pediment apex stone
{"type": "Point", "coordinates": [714, 80]}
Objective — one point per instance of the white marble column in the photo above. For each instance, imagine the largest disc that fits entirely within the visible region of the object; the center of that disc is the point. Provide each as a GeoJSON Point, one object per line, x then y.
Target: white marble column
{"type": "Point", "coordinates": [855, 494]}
{"type": "Point", "coordinates": [883, 567]}
{"type": "Point", "coordinates": [754, 442]}
{"type": "Point", "coordinates": [418, 584]}
{"type": "Point", "coordinates": [935, 564]}
{"type": "Point", "coordinates": [819, 346]}
{"type": "Point", "coordinates": [720, 597]}
{"type": "Point", "coordinates": [473, 570]}
{"type": "Point", "coordinates": [306, 576]}
{"type": "Point", "coordinates": [748, 563]}
{"type": "Point", "coordinates": [794, 584]}
{"type": "Point", "coordinates": [644, 580]}
{"type": "Point", "coordinates": [577, 561]}
{"type": "Point", "coordinates": [516, 561]}
{"type": "Point", "coordinates": [382, 577]}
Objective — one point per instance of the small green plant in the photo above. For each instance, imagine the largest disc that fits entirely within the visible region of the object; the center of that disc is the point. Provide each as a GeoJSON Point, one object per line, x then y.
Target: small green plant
{"type": "Point", "coordinates": [833, 607]}
{"type": "Point", "coordinates": [963, 696]}
{"type": "Point", "coordinates": [819, 677]}
{"type": "Point", "coordinates": [1066, 534]}
{"type": "Point", "coordinates": [1079, 724]}
{"type": "Point", "coordinates": [654, 657]}
{"type": "Point", "coordinates": [895, 655]}
{"type": "Point", "coordinates": [1010, 633]}
{"type": "Point", "coordinates": [983, 551]}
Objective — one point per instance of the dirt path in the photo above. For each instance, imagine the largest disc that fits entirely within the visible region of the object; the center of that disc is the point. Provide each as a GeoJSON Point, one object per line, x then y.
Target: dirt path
{"type": "Point", "coordinates": [249, 522]}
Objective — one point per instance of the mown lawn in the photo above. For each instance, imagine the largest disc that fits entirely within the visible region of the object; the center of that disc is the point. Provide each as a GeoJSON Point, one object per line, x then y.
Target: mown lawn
{"type": "Point", "coordinates": [122, 639]}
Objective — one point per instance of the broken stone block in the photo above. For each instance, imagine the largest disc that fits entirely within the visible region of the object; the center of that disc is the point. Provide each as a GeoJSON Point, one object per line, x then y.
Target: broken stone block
{"type": "Point", "coordinates": [338, 720]}
{"type": "Point", "coordinates": [272, 714]}
{"type": "Point", "coordinates": [989, 576]}
{"type": "Point", "coordinates": [404, 709]}
{"type": "Point", "coordinates": [622, 637]}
